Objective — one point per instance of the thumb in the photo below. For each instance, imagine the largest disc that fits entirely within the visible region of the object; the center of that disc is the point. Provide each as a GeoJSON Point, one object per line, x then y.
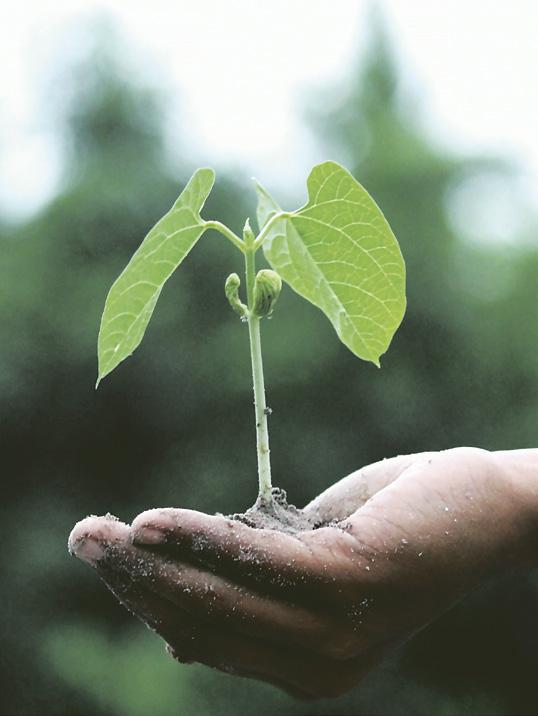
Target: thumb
{"type": "Point", "coordinates": [350, 493]}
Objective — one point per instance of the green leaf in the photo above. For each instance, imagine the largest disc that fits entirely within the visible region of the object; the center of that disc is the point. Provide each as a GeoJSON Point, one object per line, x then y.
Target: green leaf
{"type": "Point", "coordinates": [338, 252]}
{"type": "Point", "coordinates": [267, 206]}
{"type": "Point", "coordinates": [132, 298]}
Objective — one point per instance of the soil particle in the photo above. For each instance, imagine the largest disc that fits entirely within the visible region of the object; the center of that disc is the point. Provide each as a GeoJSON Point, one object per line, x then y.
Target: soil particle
{"type": "Point", "coordinates": [277, 515]}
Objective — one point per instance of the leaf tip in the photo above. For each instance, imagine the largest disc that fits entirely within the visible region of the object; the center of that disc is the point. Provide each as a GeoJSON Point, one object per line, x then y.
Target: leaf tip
{"type": "Point", "coordinates": [375, 360]}
{"type": "Point", "coordinates": [103, 370]}
{"type": "Point", "coordinates": [208, 170]}
{"type": "Point", "coordinates": [329, 163]}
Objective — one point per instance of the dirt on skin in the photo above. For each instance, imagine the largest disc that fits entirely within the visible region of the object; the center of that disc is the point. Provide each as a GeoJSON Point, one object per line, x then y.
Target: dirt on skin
{"type": "Point", "coordinates": [278, 515]}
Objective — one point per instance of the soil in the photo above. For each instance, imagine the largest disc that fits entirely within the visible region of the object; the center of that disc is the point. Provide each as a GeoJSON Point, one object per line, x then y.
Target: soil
{"type": "Point", "coordinates": [278, 515]}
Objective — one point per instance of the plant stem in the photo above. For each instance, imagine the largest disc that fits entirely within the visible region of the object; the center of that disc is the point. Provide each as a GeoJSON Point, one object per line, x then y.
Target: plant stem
{"type": "Point", "coordinates": [267, 228]}
{"type": "Point", "coordinates": [228, 233]}
{"type": "Point", "coordinates": [262, 433]}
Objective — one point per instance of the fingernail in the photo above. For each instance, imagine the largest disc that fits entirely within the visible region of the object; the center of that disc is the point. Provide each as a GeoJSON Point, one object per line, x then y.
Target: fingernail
{"type": "Point", "coordinates": [149, 535]}
{"type": "Point", "coordinates": [88, 551]}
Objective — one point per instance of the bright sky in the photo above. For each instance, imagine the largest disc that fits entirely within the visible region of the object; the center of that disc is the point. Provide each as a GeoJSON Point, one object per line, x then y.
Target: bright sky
{"type": "Point", "coordinates": [475, 63]}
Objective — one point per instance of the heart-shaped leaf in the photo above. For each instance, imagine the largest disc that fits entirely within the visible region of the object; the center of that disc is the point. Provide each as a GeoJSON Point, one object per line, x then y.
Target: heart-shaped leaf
{"type": "Point", "coordinates": [132, 298]}
{"type": "Point", "coordinates": [338, 252]}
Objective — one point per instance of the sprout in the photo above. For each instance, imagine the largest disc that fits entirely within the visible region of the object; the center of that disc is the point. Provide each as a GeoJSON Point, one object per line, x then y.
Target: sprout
{"type": "Point", "coordinates": [337, 251]}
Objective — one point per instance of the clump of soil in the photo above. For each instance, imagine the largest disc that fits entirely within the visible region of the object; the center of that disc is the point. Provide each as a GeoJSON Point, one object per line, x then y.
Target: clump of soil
{"type": "Point", "coordinates": [277, 515]}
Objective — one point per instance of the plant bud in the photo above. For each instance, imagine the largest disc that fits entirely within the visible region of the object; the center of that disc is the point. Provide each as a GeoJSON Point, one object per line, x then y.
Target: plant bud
{"type": "Point", "coordinates": [267, 287]}
{"type": "Point", "coordinates": [231, 289]}
{"type": "Point", "coordinates": [248, 234]}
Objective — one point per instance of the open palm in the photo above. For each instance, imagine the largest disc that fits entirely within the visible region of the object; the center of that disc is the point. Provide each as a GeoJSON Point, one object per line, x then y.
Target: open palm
{"type": "Point", "coordinates": [400, 541]}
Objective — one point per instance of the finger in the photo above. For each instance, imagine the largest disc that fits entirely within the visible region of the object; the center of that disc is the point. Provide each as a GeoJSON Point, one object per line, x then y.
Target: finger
{"type": "Point", "coordinates": [210, 598]}
{"type": "Point", "coordinates": [89, 537]}
{"type": "Point", "coordinates": [304, 565]}
{"type": "Point", "coordinates": [89, 541]}
{"type": "Point", "coordinates": [343, 498]}
{"type": "Point", "coordinates": [270, 556]}
{"type": "Point", "coordinates": [99, 540]}
{"type": "Point", "coordinates": [156, 612]}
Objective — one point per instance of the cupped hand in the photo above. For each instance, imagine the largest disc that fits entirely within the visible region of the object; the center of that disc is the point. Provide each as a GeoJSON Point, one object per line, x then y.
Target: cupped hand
{"type": "Point", "coordinates": [401, 540]}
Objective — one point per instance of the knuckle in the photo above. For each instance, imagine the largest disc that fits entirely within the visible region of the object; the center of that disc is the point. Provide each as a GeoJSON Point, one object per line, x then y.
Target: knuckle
{"type": "Point", "coordinates": [472, 454]}
{"type": "Point", "coordinates": [475, 461]}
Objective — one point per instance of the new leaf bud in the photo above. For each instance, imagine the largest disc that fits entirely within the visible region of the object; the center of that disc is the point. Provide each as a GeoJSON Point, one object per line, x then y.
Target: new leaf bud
{"type": "Point", "coordinates": [248, 234]}
{"type": "Point", "coordinates": [231, 289]}
{"type": "Point", "coordinates": [267, 287]}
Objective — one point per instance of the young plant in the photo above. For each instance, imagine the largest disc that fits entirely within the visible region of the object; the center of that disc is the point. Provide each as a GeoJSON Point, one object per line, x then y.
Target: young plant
{"type": "Point", "coordinates": [337, 251]}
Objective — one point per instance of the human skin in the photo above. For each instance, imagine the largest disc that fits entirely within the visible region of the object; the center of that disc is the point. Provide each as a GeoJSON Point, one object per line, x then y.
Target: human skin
{"type": "Point", "coordinates": [313, 612]}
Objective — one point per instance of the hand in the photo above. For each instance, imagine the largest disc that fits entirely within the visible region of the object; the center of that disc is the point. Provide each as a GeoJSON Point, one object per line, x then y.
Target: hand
{"type": "Point", "coordinates": [312, 613]}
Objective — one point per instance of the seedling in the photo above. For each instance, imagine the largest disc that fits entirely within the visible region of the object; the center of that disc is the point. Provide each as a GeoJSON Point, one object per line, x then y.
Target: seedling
{"type": "Point", "coordinates": [337, 251]}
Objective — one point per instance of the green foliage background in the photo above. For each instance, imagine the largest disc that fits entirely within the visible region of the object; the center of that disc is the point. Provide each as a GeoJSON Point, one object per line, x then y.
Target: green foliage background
{"type": "Point", "coordinates": [173, 426]}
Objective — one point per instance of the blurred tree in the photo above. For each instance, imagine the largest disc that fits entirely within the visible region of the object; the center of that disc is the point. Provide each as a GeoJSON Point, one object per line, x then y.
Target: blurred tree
{"type": "Point", "coordinates": [174, 425]}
